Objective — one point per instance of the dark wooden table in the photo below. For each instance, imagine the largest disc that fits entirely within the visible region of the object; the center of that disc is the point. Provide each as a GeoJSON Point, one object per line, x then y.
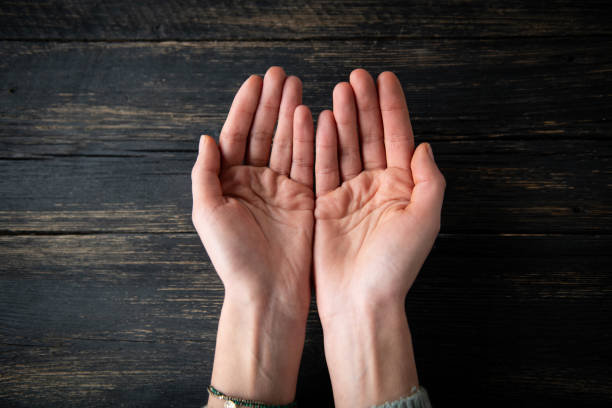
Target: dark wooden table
{"type": "Point", "coordinates": [107, 297]}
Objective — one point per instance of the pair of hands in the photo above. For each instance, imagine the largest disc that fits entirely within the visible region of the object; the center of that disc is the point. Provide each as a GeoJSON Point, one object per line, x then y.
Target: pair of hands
{"type": "Point", "coordinates": [364, 236]}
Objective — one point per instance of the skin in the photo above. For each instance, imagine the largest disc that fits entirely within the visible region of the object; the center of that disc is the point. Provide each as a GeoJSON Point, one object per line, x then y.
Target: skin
{"type": "Point", "coordinates": [253, 208]}
{"type": "Point", "coordinates": [376, 215]}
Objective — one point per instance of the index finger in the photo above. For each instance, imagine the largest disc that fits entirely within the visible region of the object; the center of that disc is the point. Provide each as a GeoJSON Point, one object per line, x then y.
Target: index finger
{"type": "Point", "coordinates": [233, 137]}
{"type": "Point", "coordinates": [398, 136]}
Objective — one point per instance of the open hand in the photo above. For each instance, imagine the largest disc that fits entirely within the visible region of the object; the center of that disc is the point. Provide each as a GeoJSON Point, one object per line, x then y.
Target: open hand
{"type": "Point", "coordinates": [377, 215]}
{"type": "Point", "coordinates": [378, 201]}
{"type": "Point", "coordinates": [253, 205]}
{"type": "Point", "coordinates": [253, 201]}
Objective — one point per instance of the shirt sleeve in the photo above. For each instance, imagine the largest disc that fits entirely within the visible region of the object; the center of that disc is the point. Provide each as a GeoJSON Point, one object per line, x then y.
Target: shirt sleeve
{"type": "Point", "coordinates": [417, 399]}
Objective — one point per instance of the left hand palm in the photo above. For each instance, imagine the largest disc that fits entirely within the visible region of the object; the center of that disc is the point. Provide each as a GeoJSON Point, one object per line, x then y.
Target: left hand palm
{"type": "Point", "coordinates": [260, 235]}
{"type": "Point", "coordinates": [253, 201]}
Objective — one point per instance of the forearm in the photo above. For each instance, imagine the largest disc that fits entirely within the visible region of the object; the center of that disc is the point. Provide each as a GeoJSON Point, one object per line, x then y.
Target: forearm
{"type": "Point", "coordinates": [369, 354]}
{"type": "Point", "coordinates": [258, 351]}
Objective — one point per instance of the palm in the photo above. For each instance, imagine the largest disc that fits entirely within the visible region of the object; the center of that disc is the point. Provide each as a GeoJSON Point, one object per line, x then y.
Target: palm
{"type": "Point", "coordinates": [252, 200]}
{"type": "Point", "coordinates": [366, 228]}
{"type": "Point", "coordinates": [378, 199]}
{"type": "Point", "coordinates": [266, 222]}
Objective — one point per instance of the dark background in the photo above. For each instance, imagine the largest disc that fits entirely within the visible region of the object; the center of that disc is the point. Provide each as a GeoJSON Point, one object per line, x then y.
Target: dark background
{"type": "Point", "coordinates": [107, 297]}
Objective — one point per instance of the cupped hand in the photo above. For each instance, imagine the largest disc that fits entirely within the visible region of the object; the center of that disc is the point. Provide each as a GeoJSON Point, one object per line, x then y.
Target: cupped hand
{"type": "Point", "coordinates": [253, 199]}
{"type": "Point", "coordinates": [378, 199]}
{"type": "Point", "coordinates": [377, 214]}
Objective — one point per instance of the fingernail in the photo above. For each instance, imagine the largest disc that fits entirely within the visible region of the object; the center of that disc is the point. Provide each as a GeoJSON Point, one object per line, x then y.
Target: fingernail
{"type": "Point", "coordinates": [430, 151]}
{"type": "Point", "coordinates": [202, 141]}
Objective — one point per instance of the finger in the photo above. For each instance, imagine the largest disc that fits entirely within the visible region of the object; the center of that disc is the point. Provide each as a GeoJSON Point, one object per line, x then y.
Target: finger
{"type": "Point", "coordinates": [282, 144]}
{"type": "Point", "coordinates": [303, 146]}
{"type": "Point", "coordinates": [233, 137]}
{"type": "Point", "coordinates": [369, 120]}
{"type": "Point", "coordinates": [205, 184]}
{"type": "Point", "coordinates": [399, 140]}
{"type": "Point", "coordinates": [260, 138]}
{"type": "Point", "coordinates": [345, 116]}
{"type": "Point", "coordinates": [327, 174]}
{"type": "Point", "coordinates": [428, 191]}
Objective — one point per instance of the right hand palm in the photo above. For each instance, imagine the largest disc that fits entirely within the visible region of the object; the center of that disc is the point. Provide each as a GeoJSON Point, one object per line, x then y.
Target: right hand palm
{"type": "Point", "coordinates": [373, 231]}
{"type": "Point", "coordinates": [369, 238]}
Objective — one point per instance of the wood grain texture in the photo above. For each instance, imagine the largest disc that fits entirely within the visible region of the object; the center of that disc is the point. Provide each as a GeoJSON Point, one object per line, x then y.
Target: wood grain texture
{"type": "Point", "coordinates": [518, 190]}
{"type": "Point", "coordinates": [170, 91]}
{"type": "Point", "coordinates": [294, 20]}
{"type": "Point", "coordinates": [101, 137]}
{"type": "Point", "coordinates": [131, 318]}
{"type": "Point", "coordinates": [107, 297]}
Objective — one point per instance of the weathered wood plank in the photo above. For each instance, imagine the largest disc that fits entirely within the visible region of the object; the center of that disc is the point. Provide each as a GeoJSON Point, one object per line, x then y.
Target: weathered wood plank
{"type": "Point", "coordinates": [97, 140]}
{"type": "Point", "coordinates": [101, 137]}
{"type": "Point", "coordinates": [191, 19]}
{"type": "Point", "coordinates": [492, 186]}
{"type": "Point", "coordinates": [114, 98]}
{"type": "Point", "coordinates": [84, 372]}
{"type": "Point", "coordinates": [130, 319]}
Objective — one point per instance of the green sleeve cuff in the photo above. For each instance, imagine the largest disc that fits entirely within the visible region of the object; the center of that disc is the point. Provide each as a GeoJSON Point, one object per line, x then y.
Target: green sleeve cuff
{"type": "Point", "coordinates": [418, 399]}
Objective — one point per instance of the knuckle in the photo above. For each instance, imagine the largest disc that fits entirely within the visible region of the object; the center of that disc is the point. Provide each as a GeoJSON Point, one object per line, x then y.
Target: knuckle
{"type": "Point", "coordinates": [279, 169]}
{"type": "Point", "coordinates": [302, 139]}
{"type": "Point", "coordinates": [326, 170]}
{"type": "Point", "coordinates": [368, 138]}
{"type": "Point", "coordinates": [231, 136]}
{"type": "Point", "coordinates": [349, 174]}
{"type": "Point", "coordinates": [258, 161]}
{"type": "Point", "coordinates": [301, 162]}
{"type": "Point", "coordinates": [442, 181]}
{"type": "Point", "coordinates": [269, 105]}
{"type": "Point", "coordinates": [349, 152]}
{"type": "Point", "coordinates": [283, 144]}
{"type": "Point", "coordinates": [396, 138]}
{"type": "Point", "coordinates": [345, 121]}
{"type": "Point", "coordinates": [373, 163]}
{"type": "Point", "coordinates": [261, 135]}
{"type": "Point", "coordinates": [392, 107]}
{"type": "Point", "coordinates": [194, 172]}
{"type": "Point", "coordinates": [195, 216]}
{"type": "Point", "coordinates": [369, 105]}
{"type": "Point", "coordinates": [285, 114]}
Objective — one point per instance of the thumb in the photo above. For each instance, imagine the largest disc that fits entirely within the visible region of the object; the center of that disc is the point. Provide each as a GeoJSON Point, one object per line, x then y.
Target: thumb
{"type": "Point", "coordinates": [205, 184]}
{"type": "Point", "coordinates": [428, 191]}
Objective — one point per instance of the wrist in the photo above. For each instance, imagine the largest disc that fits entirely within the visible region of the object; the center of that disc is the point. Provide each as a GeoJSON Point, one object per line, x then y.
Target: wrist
{"type": "Point", "coordinates": [269, 314]}
{"type": "Point", "coordinates": [290, 304]}
{"type": "Point", "coordinates": [369, 352]}
{"type": "Point", "coordinates": [337, 309]}
{"type": "Point", "coordinates": [262, 290]}
{"type": "Point", "coordinates": [259, 348]}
